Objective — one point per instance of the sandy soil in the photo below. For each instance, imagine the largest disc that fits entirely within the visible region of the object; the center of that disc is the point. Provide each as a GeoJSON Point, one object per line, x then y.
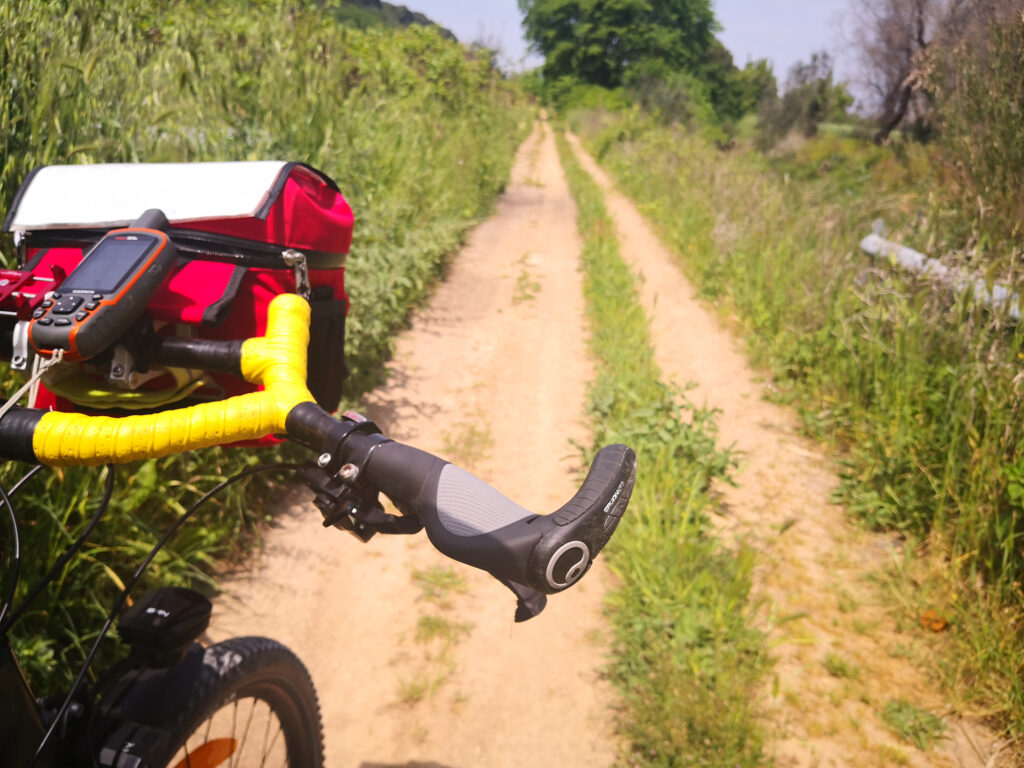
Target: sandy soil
{"type": "Point", "coordinates": [492, 376]}
{"type": "Point", "coordinates": [821, 609]}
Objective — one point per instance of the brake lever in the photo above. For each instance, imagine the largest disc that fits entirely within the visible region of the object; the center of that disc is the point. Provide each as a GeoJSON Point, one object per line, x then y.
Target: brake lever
{"type": "Point", "coordinates": [352, 506]}
{"type": "Point", "coordinates": [529, 601]}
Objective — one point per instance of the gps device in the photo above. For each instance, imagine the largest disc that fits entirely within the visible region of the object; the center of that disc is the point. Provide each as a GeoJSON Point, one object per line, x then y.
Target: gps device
{"type": "Point", "coordinates": [108, 290]}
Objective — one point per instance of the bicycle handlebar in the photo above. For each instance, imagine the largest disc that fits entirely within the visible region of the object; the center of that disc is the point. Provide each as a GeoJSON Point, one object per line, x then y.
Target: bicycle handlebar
{"type": "Point", "coordinates": [277, 361]}
{"type": "Point", "coordinates": [470, 521]}
{"type": "Point", "coordinates": [465, 518]}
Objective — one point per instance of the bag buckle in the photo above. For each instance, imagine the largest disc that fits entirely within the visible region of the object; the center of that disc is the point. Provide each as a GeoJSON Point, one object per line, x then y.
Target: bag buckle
{"type": "Point", "coordinates": [297, 261]}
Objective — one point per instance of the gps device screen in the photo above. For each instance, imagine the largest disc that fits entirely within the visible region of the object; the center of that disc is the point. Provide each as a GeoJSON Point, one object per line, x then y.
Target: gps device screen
{"type": "Point", "coordinates": [106, 267]}
{"type": "Point", "coordinates": [106, 293]}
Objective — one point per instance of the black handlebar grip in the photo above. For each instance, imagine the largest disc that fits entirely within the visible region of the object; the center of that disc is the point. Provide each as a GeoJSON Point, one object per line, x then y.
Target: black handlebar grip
{"type": "Point", "coordinates": [470, 521]}
{"type": "Point", "coordinates": [17, 428]}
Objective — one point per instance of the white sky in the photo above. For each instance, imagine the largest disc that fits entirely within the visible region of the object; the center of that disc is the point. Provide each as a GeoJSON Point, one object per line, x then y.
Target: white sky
{"type": "Point", "coordinates": [784, 31]}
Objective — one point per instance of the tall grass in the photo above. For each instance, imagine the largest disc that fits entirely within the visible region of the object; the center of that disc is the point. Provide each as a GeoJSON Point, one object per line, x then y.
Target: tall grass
{"type": "Point", "coordinates": [919, 391]}
{"type": "Point", "coordinates": [417, 132]}
{"type": "Point", "coordinates": [978, 90]}
{"type": "Point", "coordinates": [686, 660]}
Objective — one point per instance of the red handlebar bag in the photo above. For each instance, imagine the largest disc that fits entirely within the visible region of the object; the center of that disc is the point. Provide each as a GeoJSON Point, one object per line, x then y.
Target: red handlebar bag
{"type": "Point", "coordinates": [239, 228]}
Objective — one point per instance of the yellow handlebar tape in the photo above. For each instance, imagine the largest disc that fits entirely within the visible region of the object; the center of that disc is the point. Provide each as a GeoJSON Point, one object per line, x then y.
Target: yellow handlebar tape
{"type": "Point", "coordinates": [277, 361]}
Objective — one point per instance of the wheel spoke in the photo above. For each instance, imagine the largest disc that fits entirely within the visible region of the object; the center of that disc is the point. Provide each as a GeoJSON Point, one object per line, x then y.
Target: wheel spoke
{"type": "Point", "coordinates": [266, 735]}
{"type": "Point", "coordinates": [270, 748]}
{"type": "Point", "coordinates": [245, 733]}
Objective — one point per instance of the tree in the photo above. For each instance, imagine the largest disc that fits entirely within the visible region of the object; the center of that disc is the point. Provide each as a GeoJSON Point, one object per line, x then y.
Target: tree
{"type": "Point", "coordinates": [719, 72]}
{"type": "Point", "coordinates": [894, 39]}
{"type": "Point", "coordinates": [812, 96]}
{"type": "Point", "coordinates": [757, 83]}
{"type": "Point", "coordinates": [814, 87]}
{"type": "Point", "coordinates": [596, 41]}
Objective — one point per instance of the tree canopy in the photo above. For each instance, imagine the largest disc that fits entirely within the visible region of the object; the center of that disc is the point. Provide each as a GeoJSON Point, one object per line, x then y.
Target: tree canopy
{"type": "Point", "coordinates": [597, 40]}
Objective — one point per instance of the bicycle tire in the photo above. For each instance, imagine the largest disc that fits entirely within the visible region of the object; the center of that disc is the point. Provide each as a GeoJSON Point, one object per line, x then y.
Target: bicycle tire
{"type": "Point", "coordinates": [247, 685]}
{"type": "Point", "coordinates": [215, 704]}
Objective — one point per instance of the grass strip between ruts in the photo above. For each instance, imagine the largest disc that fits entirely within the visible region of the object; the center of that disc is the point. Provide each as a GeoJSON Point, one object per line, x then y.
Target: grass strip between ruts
{"type": "Point", "coordinates": [686, 660]}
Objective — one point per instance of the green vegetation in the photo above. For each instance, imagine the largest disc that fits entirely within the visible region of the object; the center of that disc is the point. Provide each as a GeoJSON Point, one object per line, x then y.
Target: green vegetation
{"type": "Point", "coordinates": [527, 285]}
{"type": "Point", "coordinates": [434, 627]}
{"type": "Point", "coordinates": [436, 634]}
{"type": "Point", "coordinates": [418, 134]}
{"type": "Point", "coordinates": [812, 97]}
{"type": "Point", "coordinates": [918, 390]}
{"type": "Point", "coordinates": [911, 723]}
{"type": "Point", "coordinates": [372, 13]}
{"type": "Point", "coordinates": [597, 42]}
{"type": "Point", "coordinates": [663, 52]}
{"type": "Point", "coordinates": [437, 583]}
{"type": "Point", "coordinates": [469, 442]}
{"type": "Point", "coordinates": [837, 666]}
{"type": "Point", "coordinates": [686, 661]}
{"type": "Point", "coordinates": [980, 98]}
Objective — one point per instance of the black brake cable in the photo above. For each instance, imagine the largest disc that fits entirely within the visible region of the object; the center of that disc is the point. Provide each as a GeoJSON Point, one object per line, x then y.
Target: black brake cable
{"type": "Point", "coordinates": [16, 558]}
{"type": "Point", "coordinates": [112, 616]}
{"type": "Point", "coordinates": [5, 496]}
{"type": "Point", "coordinates": [68, 553]}
{"type": "Point", "coordinates": [25, 478]}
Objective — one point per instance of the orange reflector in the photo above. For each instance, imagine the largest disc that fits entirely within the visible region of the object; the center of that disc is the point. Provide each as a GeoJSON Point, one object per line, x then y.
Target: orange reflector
{"type": "Point", "coordinates": [209, 755]}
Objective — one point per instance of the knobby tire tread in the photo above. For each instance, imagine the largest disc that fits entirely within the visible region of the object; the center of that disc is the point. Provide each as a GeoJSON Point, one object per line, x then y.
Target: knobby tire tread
{"type": "Point", "coordinates": [247, 665]}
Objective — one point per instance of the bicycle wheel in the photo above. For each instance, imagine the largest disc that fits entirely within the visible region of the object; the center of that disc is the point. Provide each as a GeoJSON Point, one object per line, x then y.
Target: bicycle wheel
{"type": "Point", "coordinates": [252, 704]}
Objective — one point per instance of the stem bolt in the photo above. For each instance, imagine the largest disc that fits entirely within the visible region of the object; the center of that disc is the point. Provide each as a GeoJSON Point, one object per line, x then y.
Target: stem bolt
{"type": "Point", "coordinates": [348, 473]}
{"type": "Point", "coordinates": [324, 459]}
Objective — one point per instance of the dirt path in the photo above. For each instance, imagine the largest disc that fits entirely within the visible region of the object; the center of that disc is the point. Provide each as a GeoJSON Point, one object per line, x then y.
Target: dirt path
{"type": "Point", "coordinates": [839, 656]}
{"type": "Point", "coordinates": [416, 658]}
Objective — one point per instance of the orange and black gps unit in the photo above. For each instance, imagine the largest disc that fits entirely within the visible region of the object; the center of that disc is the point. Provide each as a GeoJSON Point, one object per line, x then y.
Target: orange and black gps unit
{"type": "Point", "coordinates": [108, 290]}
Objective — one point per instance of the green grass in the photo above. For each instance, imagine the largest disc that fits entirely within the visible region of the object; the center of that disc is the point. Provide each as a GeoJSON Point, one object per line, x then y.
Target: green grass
{"type": "Point", "coordinates": [527, 286]}
{"type": "Point", "coordinates": [917, 390]}
{"type": "Point", "coordinates": [913, 724]}
{"type": "Point", "coordinates": [469, 442]}
{"type": "Point", "coordinates": [837, 666]}
{"type": "Point", "coordinates": [418, 133]}
{"type": "Point", "coordinates": [431, 627]}
{"type": "Point", "coordinates": [437, 584]}
{"type": "Point", "coordinates": [685, 658]}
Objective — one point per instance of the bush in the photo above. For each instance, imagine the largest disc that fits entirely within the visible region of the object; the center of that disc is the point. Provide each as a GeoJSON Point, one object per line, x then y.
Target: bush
{"type": "Point", "coordinates": [567, 93]}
